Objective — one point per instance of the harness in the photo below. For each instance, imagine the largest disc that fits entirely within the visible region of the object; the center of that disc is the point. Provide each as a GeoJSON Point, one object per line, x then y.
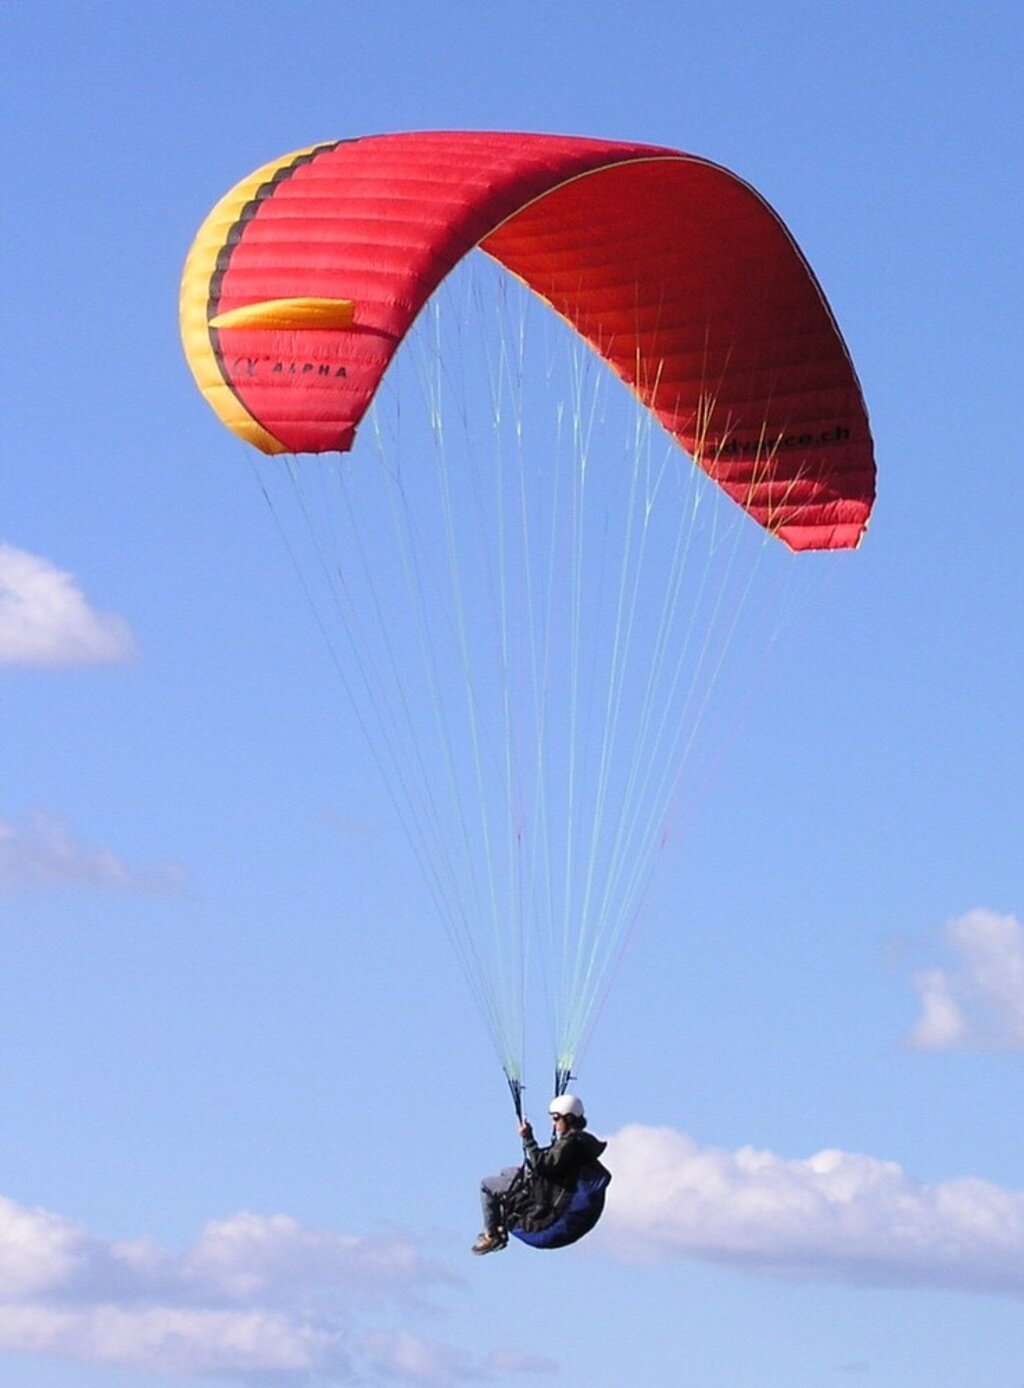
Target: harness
{"type": "Point", "coordinates": [575, 1217]}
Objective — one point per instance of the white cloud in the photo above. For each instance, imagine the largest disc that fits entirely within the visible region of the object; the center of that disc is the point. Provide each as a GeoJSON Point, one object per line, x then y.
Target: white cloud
{"type": "Point", "coordinates": [46, 621]}
{"type": "Point", "coordinates": [942, 1025]}
{"type": "Point", "coordinates": [979, 1002]}
{"type": "Point", "coordinates": [258, 1299]}
{"type": "Point", "coordinates": [40, 851]}
{"type": "Point", "coordinates": [836, 1216]}
{"type": "Point", "coordinates": [254, 1299]}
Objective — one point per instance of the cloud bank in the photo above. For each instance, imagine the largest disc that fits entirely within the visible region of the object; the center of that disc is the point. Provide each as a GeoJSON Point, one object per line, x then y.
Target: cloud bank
{"type": "Point", "coordinates": [836, 1216]}
{"type": "Point", "coordinates": [978, 1003]}
{"type": "Point", "coordinates": [259, 1300]}
{"type": "Point", "coordinates": [46, 621]}
{"type": "Point", "coordinates": [40, 851]}
{"type": "Point", "coordinates": [254, 1300]}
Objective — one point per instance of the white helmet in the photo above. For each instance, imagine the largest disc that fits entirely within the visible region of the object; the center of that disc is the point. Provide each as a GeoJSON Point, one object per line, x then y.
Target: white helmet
{"type": "Point", "coordinates": [566, 1106]}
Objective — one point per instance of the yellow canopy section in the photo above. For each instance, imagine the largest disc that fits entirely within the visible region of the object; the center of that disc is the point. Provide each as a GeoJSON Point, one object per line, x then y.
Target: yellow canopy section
{"type": "Point", "coordinates": [289, 313]}
{"type": "Point", "coordinates": [200, 268]}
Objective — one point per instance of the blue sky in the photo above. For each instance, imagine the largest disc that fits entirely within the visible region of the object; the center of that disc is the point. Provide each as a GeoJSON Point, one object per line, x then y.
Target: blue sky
{"type": "Point", "coordinates": [246, 1102]}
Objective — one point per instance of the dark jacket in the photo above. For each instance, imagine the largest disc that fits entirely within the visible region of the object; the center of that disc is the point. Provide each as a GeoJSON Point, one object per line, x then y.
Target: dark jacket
{"type": "Point", "coordinates": [550, 1176]}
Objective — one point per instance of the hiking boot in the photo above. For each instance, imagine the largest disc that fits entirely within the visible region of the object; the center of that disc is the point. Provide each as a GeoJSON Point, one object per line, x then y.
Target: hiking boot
{"type": "Point", "coordinates": [489, 1243]}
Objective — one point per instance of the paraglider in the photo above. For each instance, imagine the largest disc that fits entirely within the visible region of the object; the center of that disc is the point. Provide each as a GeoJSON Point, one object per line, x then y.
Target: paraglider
{"type": "Point", "coordinates": [556, 1195]}
{"type": "Point", "coordinates": [533, 626]}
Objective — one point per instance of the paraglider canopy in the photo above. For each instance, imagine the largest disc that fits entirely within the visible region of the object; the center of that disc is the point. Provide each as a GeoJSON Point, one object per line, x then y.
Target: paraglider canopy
{"type": "Point", "coordinates": [304, 280]}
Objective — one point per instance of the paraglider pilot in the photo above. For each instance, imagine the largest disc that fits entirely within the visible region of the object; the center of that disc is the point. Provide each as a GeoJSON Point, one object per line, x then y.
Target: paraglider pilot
{"type": "Point", "coordinates": [537, 1195]}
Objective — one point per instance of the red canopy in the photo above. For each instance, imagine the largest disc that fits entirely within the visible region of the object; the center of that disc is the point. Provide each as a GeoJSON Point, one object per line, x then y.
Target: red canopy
{"type": "Point", "coordinates": [673, 269]}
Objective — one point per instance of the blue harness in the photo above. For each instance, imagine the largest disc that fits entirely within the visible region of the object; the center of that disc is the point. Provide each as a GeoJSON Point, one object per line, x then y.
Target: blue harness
{"type": "Point", "coordinates": [583, 1210]}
